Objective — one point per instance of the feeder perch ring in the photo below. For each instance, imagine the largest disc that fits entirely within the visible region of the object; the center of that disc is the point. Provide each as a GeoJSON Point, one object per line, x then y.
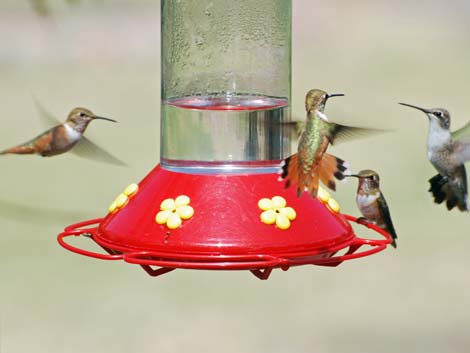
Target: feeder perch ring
{"type": "Point", "coordinates": [260, 265]}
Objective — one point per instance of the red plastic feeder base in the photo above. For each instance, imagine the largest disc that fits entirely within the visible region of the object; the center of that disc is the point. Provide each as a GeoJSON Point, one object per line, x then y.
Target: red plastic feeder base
{"type": "Point", "coordinates": [225, 232]}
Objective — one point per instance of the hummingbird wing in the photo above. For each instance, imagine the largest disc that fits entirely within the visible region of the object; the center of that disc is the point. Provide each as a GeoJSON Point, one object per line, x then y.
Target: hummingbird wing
{"type": "Point", "coordinates": [47, 119]}
{"type": "Point", "coordinates": [40, 7]}
{"type": "Point", "coordinates": [462, 134]}
{"type": "Point", "coordinates": [87, 149]}
{"type": "Point", "coordinates": [462, 151]}
{"type": "Point", "coordinates": [461, 138]}
{"type": "Point", "coordinates": [297, 126]}
{"type": "Point", "coordinates": [387, 219]}
{"type": "Point", "coordinates": [294, 127]}
{"type": "Point", "coordinates": [342, 133]}
{"type": "Point", "coordinates": [337, 133]}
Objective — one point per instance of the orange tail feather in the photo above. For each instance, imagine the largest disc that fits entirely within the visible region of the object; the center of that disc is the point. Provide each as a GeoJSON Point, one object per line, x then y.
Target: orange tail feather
{"type": "Point", "coordinates": [24, 149]}
{"type": "Point", "coordinates": [329, 169]}
{"type": "Point", "coordinates": [332, 168]}
{"type": "Point", "coordinates": [291, 174]}
{"type": "Point", "coordinates": [289, 170]}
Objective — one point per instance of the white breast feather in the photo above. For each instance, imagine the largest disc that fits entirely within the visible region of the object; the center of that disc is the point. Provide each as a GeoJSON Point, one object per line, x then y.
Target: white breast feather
{"type": "Point", "coordinates": [364, 200]}
{"type": "Point", "coordinates": [322, 116]}
{"type": "Point", "coordinates": [438, 138]}
{"type": "Point", "coordinates": [72, 134]}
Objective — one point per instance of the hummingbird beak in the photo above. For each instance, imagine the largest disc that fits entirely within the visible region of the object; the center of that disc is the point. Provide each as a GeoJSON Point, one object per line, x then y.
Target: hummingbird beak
{"type": "Point", "coordinates": [103, 118]}
{"type": "Point", "coordinates": [334, 95]}
{"type": "Point", "coordinates": [427, 111]}
{"type": "Point", "coordinates": [353, 175]}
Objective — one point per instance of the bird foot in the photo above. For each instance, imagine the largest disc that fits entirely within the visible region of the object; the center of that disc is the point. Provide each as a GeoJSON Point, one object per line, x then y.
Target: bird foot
{"type": "Point", "coordinates": [362, 220]}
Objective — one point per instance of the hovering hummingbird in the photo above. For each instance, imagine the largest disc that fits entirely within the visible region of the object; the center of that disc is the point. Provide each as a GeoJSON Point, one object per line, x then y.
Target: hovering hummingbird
{"type": "Point", "coordinates": [447, 152]}
{"type": "Point", "coordinates": [63, 137]}
{"type": "Point", "coordinates": [42, 8]}
{"type": "Point", "coordinates": [371, 202]}
{"type": "Point", "coordinates": [311, 163]}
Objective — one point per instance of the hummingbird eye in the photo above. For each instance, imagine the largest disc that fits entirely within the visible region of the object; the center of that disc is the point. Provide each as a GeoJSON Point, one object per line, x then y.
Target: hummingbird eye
{"type": "Point", "coordinates": [82, 114]}
{"type": "Point", "coordinates": [438, 114]}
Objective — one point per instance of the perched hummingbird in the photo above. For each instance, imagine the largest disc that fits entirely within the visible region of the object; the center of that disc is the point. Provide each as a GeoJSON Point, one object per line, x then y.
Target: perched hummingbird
{"type": "Point", "coordinates": [63, 137]}
{"type": "Point", "coordinates": [447, 152]}
{"type": "Point", "coordinates": [311, 163]}
{"type": "Point", "coordinates": [372, 204]}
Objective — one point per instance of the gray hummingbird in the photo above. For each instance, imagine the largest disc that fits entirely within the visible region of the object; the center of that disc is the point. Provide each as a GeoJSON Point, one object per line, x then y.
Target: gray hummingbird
{"type": "Point", "coordinates": [64, 137]}
{"type": "Point", "coordinates": [371, 202]}
{"type": "Point", "coordinates": [447, 152]}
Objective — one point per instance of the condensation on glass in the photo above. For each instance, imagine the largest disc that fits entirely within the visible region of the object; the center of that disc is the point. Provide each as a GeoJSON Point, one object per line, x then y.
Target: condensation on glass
{"type": "Point", "coordinates": [226, 84]}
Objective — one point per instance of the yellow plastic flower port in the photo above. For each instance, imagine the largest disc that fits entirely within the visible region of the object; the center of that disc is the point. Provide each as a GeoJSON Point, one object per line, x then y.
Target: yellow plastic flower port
{"type": "Point", "coordinates": [276, 211]}
{"type": "Point", "coordinates": [123, 198]}
{"type": "Point", "coordinates": [325, 198]}
{"type": "Point", "coordinates": [174, 211]}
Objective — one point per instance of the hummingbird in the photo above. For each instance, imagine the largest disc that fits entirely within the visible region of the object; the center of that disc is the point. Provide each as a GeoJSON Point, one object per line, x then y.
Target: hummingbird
{"type": "Point", "coordinates": [447, 152]}
{"type": "Point", "coordinates": [63, 137]}
{"type": "Point", "coordinates": [42, 8]}
{"type": "Point", "coordinates": [371, 202]}
{"type": "Point", "coordinates": [311, 163]}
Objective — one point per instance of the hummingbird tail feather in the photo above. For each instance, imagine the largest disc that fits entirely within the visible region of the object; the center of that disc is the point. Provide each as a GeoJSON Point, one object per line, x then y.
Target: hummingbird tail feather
{"type": "Point", "coordinates": [453, 192]}
{"type": "Point", "coordinates": [312, 184]}
{"type": "Point", "coordinates": [437, 185]}
{"type": "Point", "coordinates": [289, 173]}
{"type": "Point", "coordinates": [23, 149]}
{"type": "Point", "coordinates": [332, 168]}
{"type": "Point", "coordinates": [288, 170]}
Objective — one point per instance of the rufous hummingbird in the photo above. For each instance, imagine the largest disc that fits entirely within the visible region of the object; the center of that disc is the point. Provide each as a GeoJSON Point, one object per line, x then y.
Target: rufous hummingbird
{"type": "Point", "coordinates": [371, 202]}
{"type": "Point", "coordinates": [447, 152]}
{"type": "Point", "coordinates": [311, 163]}
{"type": "Point", "coordinates": [63, 137]}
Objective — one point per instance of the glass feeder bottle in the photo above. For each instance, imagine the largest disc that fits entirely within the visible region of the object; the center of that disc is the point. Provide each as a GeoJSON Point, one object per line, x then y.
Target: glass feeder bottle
{"type": "Point", "coordinates": [226, 85]}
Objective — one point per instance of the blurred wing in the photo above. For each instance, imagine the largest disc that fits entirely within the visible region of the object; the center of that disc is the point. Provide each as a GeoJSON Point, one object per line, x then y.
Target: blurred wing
{"type": "Point", "coordinates": [47, 119]}
{"type": "Point", "coordinates": [341, 133]}
{"type": "Point", "coordinates": [87, 149]}
{"type": "Point", "coordinates": [295, 127]}
{"type": "Point", "coordinates": [462, 150]}
{"type": "Point", "coordinates": [40, 7]}
{"type": "Point", "coordinates": [462, 134]}
{"type": "Point", "coordinates": [300, 127]}
{"type": "Point", "coordinates": [292, 129]}
{"type": "Point", "coordinates": [461, 138]}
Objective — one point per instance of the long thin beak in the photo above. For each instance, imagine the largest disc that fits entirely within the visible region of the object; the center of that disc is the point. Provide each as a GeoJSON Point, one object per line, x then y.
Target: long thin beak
{"type": "Point", "coordinates": [334, 95]}
{"type": "Point", "coordinates": [353, 175]}
{"type": "Point", "coordinates": [103, 118]}
{"type": "Point", "coordinates": [427, 111]}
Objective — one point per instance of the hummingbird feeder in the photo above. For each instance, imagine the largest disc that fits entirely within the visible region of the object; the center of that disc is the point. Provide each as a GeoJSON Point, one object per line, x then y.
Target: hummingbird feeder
{"type": "Point", "coordinates": [214, 201]}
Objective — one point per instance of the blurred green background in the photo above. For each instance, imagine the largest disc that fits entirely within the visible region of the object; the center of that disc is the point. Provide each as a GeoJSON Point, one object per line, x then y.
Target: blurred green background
{"type": "Point", "coordinates": [104, 55]}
